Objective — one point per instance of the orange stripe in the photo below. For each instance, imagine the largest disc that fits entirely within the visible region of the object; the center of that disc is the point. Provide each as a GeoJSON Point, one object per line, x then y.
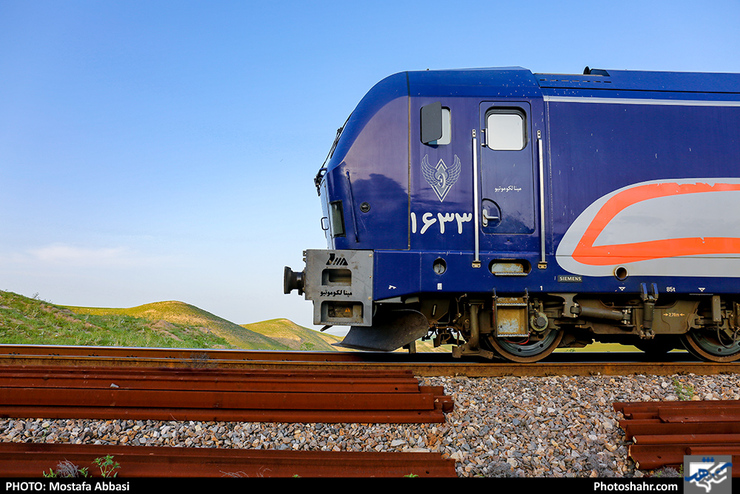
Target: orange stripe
{"type": "Point", "coordinates": [586, 253]}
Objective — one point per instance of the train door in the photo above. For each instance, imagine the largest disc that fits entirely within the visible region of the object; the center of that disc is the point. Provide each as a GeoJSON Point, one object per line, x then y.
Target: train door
{"type": "Point", "coordinates": [507, 174]}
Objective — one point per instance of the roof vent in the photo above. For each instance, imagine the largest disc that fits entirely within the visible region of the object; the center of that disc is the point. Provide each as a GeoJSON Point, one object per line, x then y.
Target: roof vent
{"type": "Point", "coordinates": [590, 71]}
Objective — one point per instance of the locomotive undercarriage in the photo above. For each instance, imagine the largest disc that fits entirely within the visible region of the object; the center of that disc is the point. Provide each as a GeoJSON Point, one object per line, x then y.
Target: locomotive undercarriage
{"type": "Point", "coordinates": [530, 327]}
{"type": "Point", "coordinates": [520, 327]}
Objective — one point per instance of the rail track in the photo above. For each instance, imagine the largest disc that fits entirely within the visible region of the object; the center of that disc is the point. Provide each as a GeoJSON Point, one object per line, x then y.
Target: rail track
{"type": "Point", "coordinates": [421, 364]}
{"type": "Point", "coordinates": [162, 384]}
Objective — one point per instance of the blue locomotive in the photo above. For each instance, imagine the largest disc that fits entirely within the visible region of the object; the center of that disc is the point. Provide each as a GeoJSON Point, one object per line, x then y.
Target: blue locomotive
{"type": "Point", "coordinates": [510, 213]}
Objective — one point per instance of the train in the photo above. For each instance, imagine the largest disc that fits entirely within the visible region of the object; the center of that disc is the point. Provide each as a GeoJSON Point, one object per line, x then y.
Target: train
{"type": "Point", "coordinates": [508, 213]}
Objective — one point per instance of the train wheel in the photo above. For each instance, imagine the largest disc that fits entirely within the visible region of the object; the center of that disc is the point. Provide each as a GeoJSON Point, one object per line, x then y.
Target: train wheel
{"type": "Point", "coordinates": [712, 346]}
{"type": "Point", "coordinates": [525, 351]}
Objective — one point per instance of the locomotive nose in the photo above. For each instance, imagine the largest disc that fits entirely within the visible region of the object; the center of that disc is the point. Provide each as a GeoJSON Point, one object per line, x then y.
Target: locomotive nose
{"type": "Point", "coordinates": [292, 281]}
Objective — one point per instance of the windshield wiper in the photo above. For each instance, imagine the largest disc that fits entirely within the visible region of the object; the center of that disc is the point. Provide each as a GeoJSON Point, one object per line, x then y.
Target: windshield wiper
{"type": "Point", "coordinates": [320, 175]}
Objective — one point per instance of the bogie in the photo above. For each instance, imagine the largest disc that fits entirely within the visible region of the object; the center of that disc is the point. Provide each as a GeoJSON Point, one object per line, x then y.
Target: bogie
{"type": "Point", "coordinates": [528, 329]}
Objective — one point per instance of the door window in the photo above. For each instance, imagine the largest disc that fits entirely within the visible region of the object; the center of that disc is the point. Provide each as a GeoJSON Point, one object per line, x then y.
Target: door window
{"type": "Point", "coordinates": [505, 130]}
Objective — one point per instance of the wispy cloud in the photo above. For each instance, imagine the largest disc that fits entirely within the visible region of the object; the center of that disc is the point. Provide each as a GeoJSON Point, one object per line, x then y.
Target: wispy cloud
{"type": "Point", "coordinates": [65, 254]}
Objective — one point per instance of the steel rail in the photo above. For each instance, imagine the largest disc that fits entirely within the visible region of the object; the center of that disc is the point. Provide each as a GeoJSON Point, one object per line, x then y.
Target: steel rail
{"type": "Point", "coordinates": [192, 379]}
{"type": "Point", "coordinates": [298, 395]}
{"type": "Point", "coordinates": [194, 354]}
{"type": "Point", "coordinates": [421, 364]}
{"type": "Point", "coordinates": [662, 433]}
{"type": "Point", "coordinates": [25, 460]}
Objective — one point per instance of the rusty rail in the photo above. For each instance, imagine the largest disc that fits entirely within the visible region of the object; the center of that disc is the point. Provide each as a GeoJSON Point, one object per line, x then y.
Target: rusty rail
{"type": "Point", "coordinates": [662, 433]}
{"type": "Point", "coordinates": [26, 460]}
{"type": "Point", "coordinates": [422, 364]}
{"type": "Point", "coordinates": [297, 395]}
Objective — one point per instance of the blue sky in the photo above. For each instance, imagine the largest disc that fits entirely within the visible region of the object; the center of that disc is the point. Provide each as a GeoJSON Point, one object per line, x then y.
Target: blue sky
{"type": "Point", "coordinates": [165, 150]}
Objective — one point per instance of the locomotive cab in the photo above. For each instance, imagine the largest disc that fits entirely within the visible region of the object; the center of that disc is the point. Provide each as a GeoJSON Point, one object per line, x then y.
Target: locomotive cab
{"type": "Point", "coordinates": [364, 191]}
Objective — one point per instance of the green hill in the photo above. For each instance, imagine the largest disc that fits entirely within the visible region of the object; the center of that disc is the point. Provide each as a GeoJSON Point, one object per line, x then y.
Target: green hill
{"type": "Point", "coordinates": [25, 320]}
{"type": "Point", "coordinates": [170, 324]}
{"type": "Point", "coordinates": [164, 313]}
{"type": "Point", "coordinates": [294, 336]}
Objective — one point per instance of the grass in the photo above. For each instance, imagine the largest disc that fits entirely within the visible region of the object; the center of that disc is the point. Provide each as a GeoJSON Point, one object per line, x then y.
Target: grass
{"type": "Point", "coordinates": [597, 347]}
{"type": "Point", "coordinates": [168, 314]}
{"type": "Point", "coordinates": [293, 336]}
{"type": "Point", "coordinates": [26, 320]}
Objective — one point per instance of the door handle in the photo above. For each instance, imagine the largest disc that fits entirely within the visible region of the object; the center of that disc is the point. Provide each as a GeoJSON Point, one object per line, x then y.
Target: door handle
{"type": "Point", "coordinates": [487, 217]}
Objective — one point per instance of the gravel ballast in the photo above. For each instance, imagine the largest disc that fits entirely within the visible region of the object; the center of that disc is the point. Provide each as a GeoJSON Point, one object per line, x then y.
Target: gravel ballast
{"type": "Point", "coordinates": [500, 427]}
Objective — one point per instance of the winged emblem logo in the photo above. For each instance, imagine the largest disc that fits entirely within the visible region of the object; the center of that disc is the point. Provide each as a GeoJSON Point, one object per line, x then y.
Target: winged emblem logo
{"type": "Point", "coordinates": [441, 177]}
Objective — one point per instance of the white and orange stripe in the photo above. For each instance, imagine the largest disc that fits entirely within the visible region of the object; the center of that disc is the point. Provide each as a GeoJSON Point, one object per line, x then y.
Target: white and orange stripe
{"type": "Point", "coordinates": [658, 228]}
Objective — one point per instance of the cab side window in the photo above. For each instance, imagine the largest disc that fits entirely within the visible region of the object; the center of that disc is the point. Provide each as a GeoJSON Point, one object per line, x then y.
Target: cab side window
{"type": "Point", "coordinates": [446, 128]}
{"type": "Point", "coordinates": [436, 125]}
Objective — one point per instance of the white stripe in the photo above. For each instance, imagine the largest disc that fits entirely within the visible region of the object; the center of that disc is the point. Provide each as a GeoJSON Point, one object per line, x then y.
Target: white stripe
{"type": "Point", "coordinates": [638, 101]}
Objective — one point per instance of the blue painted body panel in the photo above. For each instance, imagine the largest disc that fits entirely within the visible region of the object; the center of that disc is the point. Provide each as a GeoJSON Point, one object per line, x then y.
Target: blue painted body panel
{"type": "Point", "coordinates": [590, 149]}
{"type": "Point", "coordinates": [370, 164]}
